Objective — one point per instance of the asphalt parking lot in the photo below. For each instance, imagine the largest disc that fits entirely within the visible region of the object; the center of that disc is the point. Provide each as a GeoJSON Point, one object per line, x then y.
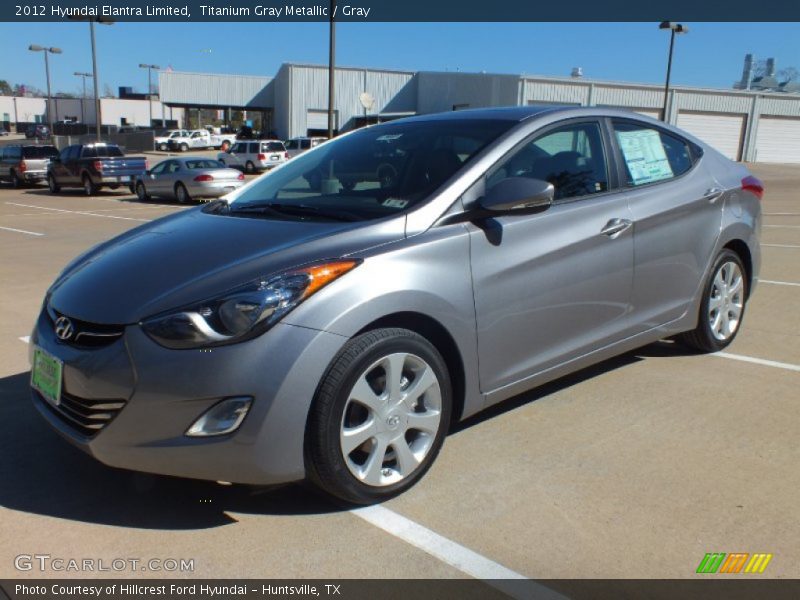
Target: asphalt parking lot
{"type": "Point", "coordinates": [634, 468]}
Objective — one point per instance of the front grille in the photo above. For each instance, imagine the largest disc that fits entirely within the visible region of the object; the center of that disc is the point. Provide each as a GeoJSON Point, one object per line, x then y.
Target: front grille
{"type": "Point", "coordinates": [87, 335]}
{"type": "Point", "coordinates": [88, 417]}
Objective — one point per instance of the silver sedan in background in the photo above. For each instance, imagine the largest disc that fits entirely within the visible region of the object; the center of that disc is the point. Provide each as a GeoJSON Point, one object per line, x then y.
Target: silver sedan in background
{"type": "Point", "coordinates": [187, 179]}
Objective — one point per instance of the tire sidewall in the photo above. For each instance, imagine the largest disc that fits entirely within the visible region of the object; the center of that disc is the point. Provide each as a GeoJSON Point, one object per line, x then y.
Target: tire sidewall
{"type": "Point", "coordinates": [704, 328]}
{"type": "Point", "coordinates": [142, 196]}
{"type": "Point", "coordinates": [336, 477]}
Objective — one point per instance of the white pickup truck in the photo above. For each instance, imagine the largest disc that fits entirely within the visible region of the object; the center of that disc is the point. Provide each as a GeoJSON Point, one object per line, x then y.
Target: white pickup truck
{"type": "Point", "coordinates": [162, 141]}
{"type": "Point", "coordinates": [201, 139]}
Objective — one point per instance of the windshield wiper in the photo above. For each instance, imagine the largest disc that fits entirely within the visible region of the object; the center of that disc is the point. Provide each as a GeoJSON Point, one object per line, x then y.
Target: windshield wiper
{"type": "Point", "coordinates": [299, 210]}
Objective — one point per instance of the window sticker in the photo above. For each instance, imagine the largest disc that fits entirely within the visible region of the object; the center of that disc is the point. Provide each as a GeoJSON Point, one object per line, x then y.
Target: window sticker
{"type": "Point", "coordinates": [644, 154]}
{"type": "Point", "coordinates": [395, 203]}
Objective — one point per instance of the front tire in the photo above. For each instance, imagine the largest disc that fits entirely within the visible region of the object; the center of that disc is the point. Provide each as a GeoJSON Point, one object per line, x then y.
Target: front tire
{"type": "Point", "coordinates": [722, 307]}
{"type": "Point", "coordinates": [184, 147]}
{"type": "Point", "coordinates": [379, 417]}
{"type": "Point", "coordinates": [163, 147]}
{"type": "Point", "coordinates": [52, 185]}
{"type": "Point", "coordinates": [16, 180]}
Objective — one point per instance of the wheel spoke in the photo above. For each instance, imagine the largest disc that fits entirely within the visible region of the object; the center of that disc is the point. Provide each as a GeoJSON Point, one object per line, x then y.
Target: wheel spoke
{"type": "Point", "coordinates": [715, 324]}
{"type": "Point", "coordinates": [406, 461]}
{"type": "Point", "coordinates": [427, 421]}
{"type": "Point", "coordinates": [714, 303]}
{"type": "Point", "coordinates": [423, 382]}
{"type": "Point", "coordinates": [363, 394]}
{"type": "Point", "coordinates": [393, 366]}
{"type": "Point", "coordinates": [719, 280]}
{"type": "Point", "coordinates": [726, 324]}
{"type": "Point", "coordinates": [371, 471]}
{"type": "Point", "coordinates": [353, 437]}
{"type": "Point", "coordinates": [735, 287]}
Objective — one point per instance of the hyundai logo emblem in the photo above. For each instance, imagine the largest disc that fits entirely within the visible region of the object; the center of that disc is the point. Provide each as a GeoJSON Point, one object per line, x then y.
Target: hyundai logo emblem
{"type": "Point", "coordinates": [64, 328]}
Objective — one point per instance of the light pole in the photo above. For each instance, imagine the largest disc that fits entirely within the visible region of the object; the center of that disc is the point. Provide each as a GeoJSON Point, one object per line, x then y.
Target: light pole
{"type": "Point", "coordinates": [149, 87]}
{"type": "Point", "coordinates": [83, 76]}
{"type": "Point", "coordinates": [103, 21]}
{"type": "Point", "coordinates": [674, 28]}
{"type": "Point", "coordinates": [331, 69]}
{"type": "Point", "coordinates": [46, 51]}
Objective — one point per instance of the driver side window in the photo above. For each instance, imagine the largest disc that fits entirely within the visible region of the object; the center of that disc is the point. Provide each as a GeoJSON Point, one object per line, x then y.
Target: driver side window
{"type": "Point", "coordinates": [570, 157]}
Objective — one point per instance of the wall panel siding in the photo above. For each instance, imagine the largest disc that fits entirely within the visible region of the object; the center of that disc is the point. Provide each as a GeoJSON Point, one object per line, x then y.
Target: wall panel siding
{"type": "Point", "coordinates": [206, 89]}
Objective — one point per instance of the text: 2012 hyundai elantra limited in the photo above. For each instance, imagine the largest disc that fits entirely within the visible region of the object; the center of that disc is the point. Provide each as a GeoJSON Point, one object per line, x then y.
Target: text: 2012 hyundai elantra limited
{"type": "Point", "coordinates": [335, 317]}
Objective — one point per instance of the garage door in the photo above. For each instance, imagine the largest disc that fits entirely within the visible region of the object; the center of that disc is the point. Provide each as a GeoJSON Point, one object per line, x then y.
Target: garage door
{"type": "Point", "coordinates": [778, 140]}
{"type": "Point", "coordinates": [724, 132]}
{"type": "Point", "coordinates": [318, 119]}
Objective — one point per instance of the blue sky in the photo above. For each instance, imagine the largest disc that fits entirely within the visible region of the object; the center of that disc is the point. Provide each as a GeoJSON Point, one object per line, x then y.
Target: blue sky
{"type": "Point", "coordinates": [710, 55]}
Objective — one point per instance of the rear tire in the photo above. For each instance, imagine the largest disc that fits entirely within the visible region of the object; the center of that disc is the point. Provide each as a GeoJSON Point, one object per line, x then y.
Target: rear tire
{"type": "Point", "coordinates": [184, 147]}
{"type": "Point", "coordinates": [182, 194]}
{"type": "Point", "coordinates": [141, 192]}
{"type": "Point", "coordinates": [163, 147]}
{"type": "Point", "coordinates": [249, 168]}
{"type": "Point", "coordinates": [379, 417]}
{"type": "Point", "coordinates": [52, 185]}
{"type": "Point", "coordinates": [89, 188]}
{"type": "Point", "coordinates": [722, 307]}
{"type": "Point", "coordinates": [16, 181]}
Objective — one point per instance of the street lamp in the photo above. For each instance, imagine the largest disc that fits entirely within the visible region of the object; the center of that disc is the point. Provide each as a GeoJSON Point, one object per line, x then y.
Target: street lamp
{"type": "Point", "coordinates": [674, 28]}
{"type": "Point", "coordinates": [83, 97]}
{"type": "Point", "coordinates": [149, 86]}
{"type": "Point", "coordinates": [46, 51]}
{"type": "Point", "coordinates": [102, 21]}
{"type": "Point", "coordinates": [331, 69]}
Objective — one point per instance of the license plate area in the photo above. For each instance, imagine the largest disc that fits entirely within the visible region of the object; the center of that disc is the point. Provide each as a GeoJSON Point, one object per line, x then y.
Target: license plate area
{"type": "Point", "coordinates": [46, 375]}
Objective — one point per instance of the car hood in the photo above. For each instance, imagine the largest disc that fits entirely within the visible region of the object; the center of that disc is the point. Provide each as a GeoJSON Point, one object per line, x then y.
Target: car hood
{"type": "Point", "coordinates": [192, 256]}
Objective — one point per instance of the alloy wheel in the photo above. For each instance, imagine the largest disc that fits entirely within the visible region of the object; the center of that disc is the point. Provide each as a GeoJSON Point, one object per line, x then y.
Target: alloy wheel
{"type": "Point", "coordinates": [726, 301]}
{"type": "Point", "coordinates": [390, 419]}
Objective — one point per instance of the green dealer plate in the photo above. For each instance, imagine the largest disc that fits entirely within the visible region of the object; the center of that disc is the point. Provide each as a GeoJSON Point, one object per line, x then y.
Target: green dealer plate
{"type": "Point", "coordinates": [46, 375]}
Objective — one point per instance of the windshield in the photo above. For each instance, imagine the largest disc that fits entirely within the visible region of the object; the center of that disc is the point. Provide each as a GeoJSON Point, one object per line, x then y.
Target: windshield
{"type": "Point", "coordinates": [377, 171]}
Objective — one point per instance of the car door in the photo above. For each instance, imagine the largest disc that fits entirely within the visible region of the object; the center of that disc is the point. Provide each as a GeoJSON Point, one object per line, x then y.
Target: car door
{"type": "Point", "coordinates": [552, 286]}
{"type": "Point", "coordinates": [61, 170]}
{"type": "Point", "coordinates": [677, 211]}
{"type": "Point", "coordinates": [197, 140]}
{"type": "Point", "coordinates": [154, 180]}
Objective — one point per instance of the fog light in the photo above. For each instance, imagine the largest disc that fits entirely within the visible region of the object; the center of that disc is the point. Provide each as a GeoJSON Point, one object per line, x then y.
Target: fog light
{"type": "Point", "coordinates": [224, 417]}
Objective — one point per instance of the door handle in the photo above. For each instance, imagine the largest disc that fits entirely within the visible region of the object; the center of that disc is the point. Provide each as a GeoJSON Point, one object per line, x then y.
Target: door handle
{"type": "Point", "coordinates": [615, 227]}
{"type": "Point", "coordinates": [712, 194]}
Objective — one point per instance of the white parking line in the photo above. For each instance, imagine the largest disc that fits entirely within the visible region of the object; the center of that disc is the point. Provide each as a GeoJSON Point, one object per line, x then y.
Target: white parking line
{"type": "Point", "coordinates": [758, 361]}
{"type": "Point", "coordinates": [783, 226]}
{"type": "Point", "coordinates": [26, 339]}
{"type": "Point", "coordinates": [780, 246]}
{"type": "Point", "coordinates": [465, 560]}
{"type": "Point", "coordinates": [21, 231]}
{"type": "Point", "coordinates": [779, 282]}
{"type": "Point", "coordinates": [781, 214]}
{"type": "Point", "coordinates": [79, 212]}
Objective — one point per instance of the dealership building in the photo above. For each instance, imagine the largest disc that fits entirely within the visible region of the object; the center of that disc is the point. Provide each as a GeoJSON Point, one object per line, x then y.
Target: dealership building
{"type": "Point", "coordinates": [743, 124]}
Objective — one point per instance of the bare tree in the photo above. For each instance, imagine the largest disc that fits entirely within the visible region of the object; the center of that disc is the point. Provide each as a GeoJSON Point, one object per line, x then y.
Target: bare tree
{"type": "Point", "coordinates": [788, 74]}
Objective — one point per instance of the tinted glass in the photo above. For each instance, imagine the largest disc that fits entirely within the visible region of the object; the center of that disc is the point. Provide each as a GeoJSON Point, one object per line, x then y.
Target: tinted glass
{"type": "Point", "coordinates": [651, 155]}
{"type": "Point", "coordinates": [39, 151]}
{"type": "Point", "coordinates": [291, 145]}
{"type": "Point", "coordinates": [569, 157]}
{"type": "Point", "coordinates": [253, 148]}
{"type": "Point", "coordinates": [273, 147]}
{"type": "Point", "coordinates": [376, 171]}
{"type": "Point", "coordinates": [204, 163]}
{"type": "Point", "coordinates": [305, 144]}
{"type": "Point", "coordinates": [159, 168]}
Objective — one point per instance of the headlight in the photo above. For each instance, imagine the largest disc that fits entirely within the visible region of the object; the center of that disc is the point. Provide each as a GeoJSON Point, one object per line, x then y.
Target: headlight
{"type": "Point", "coordinates": [245, 312]}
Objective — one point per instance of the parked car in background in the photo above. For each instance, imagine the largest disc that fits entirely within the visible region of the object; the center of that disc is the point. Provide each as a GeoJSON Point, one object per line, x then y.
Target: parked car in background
{"type": "Point", "coordinates": [200, 139]}
{"type": "Point", "coordinates": [299, 145]}
{"type": "Point", "coordinates": [187, 179]}
{"type": "Point", "coordinates": [246, 132]}
{"type": "Point", "coordinates": [94, 167]}
{"type": "Point", "coordinates": [162, 141]}
{"type": "Point", "coordinates": [39, 132]}
{"type": "Point", "coordinates": [256, 156]}
{"type": "Point", "coordinates": [22, 165]}
{"type": "Point", "coordinates": [3, 131]}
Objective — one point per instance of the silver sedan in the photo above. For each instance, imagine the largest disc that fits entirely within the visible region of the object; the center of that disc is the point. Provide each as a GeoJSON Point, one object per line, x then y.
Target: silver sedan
{"type": "Point", "coordinates": [187, 179]}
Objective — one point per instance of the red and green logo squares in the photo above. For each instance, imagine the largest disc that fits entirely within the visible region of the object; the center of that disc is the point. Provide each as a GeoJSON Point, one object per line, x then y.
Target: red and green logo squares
{"type": "Point", "coordinates": [720, 562]}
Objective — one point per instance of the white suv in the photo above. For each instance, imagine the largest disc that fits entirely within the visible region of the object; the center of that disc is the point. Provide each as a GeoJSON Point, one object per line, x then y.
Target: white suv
{"type": "Point", "coordinates": [299, 145]}
{"type": "Point", "coordinates": [252, 156]}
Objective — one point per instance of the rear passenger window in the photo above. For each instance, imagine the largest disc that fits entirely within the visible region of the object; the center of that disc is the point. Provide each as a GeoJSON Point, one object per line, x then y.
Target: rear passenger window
{"type": "Point", "coordinates": [651, 155]}
{"type": "Point", "coordinates": [254, 148]}
{"type": "Point", "coordinates": [570, 157]}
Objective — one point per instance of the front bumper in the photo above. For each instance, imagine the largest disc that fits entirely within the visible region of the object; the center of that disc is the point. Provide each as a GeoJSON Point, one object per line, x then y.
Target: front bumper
{"type": "Point", "coordinates": [165, 391]}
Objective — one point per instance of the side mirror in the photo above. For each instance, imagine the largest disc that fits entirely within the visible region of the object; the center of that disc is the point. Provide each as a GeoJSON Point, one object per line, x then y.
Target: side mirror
{"type": "Point", "coordinates": [518, 195]}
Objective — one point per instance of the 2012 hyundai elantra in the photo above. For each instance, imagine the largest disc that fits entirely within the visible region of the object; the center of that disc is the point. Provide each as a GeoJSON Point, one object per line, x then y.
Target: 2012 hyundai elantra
{"type": "Point", "coordinates": [332, 319]}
